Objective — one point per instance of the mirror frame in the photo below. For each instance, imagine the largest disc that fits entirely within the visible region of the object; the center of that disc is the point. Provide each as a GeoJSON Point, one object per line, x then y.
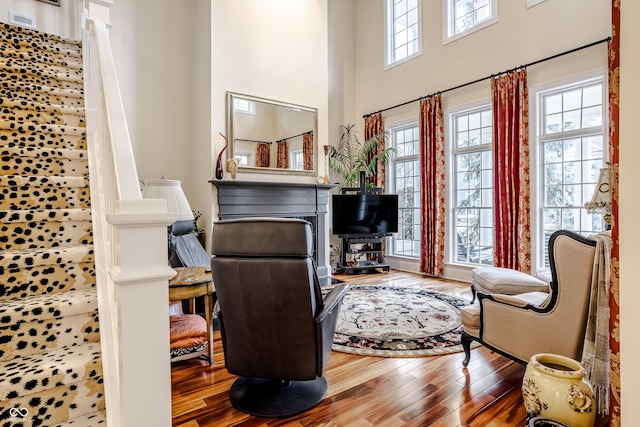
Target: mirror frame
{"type": "Point", "coordinates": [231, 132]}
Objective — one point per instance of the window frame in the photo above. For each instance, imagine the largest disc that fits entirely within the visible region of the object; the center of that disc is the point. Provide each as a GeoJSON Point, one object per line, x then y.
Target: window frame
{"type": "Point", "coordinates": [452, 151]}
{"type": "Point", "coordinates": [392, 188]}
{"type": "Point", "coordinates": [389, 61]}
{"type": "Point", "coordinates": [448, 25]}
{"type": "Point", "coordinates": [537, 140]}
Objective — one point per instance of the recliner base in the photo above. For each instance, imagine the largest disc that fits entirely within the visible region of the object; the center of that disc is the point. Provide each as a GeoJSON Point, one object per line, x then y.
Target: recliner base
{"type": "Point", "coordinates": [272, 399]}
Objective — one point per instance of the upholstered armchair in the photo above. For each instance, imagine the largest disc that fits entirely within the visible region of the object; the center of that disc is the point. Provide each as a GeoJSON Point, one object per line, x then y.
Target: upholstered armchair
{"type": "Point", "coordinates": [519, 326]}
{"type": "Point", "coordinates": [277, 330]}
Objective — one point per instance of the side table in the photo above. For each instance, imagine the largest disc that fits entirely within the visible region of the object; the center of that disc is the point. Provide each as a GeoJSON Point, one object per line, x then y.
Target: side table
{"type": "Point", "coordinates": [192, 282]}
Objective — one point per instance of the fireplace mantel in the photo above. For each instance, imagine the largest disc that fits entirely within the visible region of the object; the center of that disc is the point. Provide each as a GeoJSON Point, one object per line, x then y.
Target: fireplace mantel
{"type": "Point", "coordinates": [242, 199]}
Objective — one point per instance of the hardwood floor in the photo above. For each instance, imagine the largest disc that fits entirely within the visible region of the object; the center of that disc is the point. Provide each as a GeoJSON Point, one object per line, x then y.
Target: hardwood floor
{"type": "Point", "coordinates": [372, 391]}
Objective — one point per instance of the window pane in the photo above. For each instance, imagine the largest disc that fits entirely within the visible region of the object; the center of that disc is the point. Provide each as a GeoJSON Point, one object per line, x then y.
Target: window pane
{"type": "Point", "coordinates": [473, 182]}
{"type": "Point", "coordinates": [571, 165]}
{"type": "Point", "coordinates": [406, 181]}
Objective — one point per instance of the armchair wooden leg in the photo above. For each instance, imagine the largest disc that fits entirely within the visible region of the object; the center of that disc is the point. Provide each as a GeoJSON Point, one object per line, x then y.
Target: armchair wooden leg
{"type": "Point", "coordinates": [466, 340]}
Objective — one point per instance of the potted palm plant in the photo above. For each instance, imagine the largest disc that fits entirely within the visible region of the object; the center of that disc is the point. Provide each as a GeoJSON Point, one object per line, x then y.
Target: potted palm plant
{"type": "Point", "coordinates": [352, 157]}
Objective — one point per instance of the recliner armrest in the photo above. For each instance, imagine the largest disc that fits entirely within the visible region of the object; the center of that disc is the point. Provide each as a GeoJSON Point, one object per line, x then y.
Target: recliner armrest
{"type": "Point", "coordinates": [333, 298]}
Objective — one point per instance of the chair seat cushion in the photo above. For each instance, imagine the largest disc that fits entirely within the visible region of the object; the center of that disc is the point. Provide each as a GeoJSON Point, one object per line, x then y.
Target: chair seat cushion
{"type": "Point", "coordinates": [470, 316]}
{"type": "Point", "coordinates": [499, 280]}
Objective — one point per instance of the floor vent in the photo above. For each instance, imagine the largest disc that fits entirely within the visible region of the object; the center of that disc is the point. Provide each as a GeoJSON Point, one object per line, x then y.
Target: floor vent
{"type": "Point", "coordinates": [23, 20]}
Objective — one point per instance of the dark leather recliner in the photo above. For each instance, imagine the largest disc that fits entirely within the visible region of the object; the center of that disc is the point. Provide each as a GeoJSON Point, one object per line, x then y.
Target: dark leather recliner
{"type": "Point", "coordinates": [277, 330]}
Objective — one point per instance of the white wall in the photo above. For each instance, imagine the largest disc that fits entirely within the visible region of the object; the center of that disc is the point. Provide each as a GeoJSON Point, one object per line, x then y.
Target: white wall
{"type": "Point", "coordinates": [162, 53]}
{"type": "Point", "coordinates": [521, 36]}
{"type": "Point", "coordinates": [63, 20]}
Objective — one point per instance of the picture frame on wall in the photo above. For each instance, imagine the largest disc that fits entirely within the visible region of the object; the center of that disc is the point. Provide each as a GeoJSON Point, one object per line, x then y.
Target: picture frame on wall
{"type": "Point", "coordinates": [53, 2]}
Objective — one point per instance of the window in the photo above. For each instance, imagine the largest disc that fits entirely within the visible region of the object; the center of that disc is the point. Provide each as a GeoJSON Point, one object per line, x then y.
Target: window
{"type": "Point", "coordinates": [296, 160]}
{"type": "Point", "coordinates": [405, 181]}
{"type": "Point", "coordinates": [472, 237]}
{"type": "Point", "coordinates": [245, 106]}
{"type": "Point", "coordinates": [403, 31]}
{"type": "Point", "coordinates": [572, 151]}
{"type": "Point", "coordinates": [466, 16]}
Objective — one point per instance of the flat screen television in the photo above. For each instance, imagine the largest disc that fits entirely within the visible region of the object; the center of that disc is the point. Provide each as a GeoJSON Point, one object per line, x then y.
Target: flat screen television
{"type": "Point", "coordinates": [364, 214]}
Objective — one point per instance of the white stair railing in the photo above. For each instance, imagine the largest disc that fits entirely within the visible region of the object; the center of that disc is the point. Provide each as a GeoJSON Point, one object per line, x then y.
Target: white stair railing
{"type": "Point", "coordinates": [130, 248]}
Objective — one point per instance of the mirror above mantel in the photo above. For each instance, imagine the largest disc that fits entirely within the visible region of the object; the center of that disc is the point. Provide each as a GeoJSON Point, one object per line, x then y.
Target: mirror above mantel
{"type": "Point", "coordinates": [272, 136]}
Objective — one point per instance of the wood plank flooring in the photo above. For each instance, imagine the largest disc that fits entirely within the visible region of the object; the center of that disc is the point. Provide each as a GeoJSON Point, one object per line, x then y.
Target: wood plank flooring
{"type": "Point", "coordinates": [372, 391]}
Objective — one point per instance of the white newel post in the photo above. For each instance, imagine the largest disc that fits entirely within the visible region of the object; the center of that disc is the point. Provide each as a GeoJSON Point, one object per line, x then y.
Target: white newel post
{"type": "Point", "coordinates": [142, 296]}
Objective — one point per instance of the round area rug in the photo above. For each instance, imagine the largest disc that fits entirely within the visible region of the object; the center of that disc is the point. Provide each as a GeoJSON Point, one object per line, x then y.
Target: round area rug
{"type": "Point", "coordinates": [398, 322]}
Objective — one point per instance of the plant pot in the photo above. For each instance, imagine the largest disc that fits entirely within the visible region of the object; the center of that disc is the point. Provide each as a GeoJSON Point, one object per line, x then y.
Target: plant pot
{"type": "Point", "coordinates": [555, 387]}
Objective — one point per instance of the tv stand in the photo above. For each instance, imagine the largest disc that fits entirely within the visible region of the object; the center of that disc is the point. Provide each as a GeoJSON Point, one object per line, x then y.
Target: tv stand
{"type": "Point", "coordinates": [372, 244]}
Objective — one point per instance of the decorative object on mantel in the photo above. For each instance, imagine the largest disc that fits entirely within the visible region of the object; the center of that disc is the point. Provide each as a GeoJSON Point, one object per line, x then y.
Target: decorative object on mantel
{"type": "Point", "coordinates": [326, 165]}
{"type": "Point", "coordinates": [232, 167]}
{"type": "Point", "coordinates": [352, 156]}
{"type": "Point", "coordinates": [219, 169]}
{"type": "Point", "coordinates": [388, 321]}
{"type": "Point", "coordinates": [601, 201]}
{"type": "Point", "coordinates": [555, 386]}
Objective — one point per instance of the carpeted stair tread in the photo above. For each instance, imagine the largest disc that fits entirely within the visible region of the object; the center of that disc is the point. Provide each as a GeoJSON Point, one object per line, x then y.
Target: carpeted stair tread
{"type": "Point", "coordinates": [43, 192]}
{"type": "Point", "coordinates": [40, 60]}
{"type": "Point", "coordinates": [43, 161]}
{"type": "Point", "coordinates": [45, 234]}
{"type": "Point", "coordinates": [28, 338]}
{"type": "Point", "coordinates": [60, 404]}
{"type": "Point", "coordinates": [51, 109]}
{"type": "Point", "coordinates": [43, 371]}
{"type": "Point", "coordinates": [20, 67]}
{"type": "Point", "coordinates": [34, 113]}
{"type": "Point", "coordinates": [22, 230]}
{"type": "Point", "coordinates": [75, 83]}
{"type": "Point", "coordinates": [36, 39]}
{"type": "Point", "coordinates": [34, 308]}
{"type": "Point", "coordinates": [46, 257]}
{"type": "Point", "coordinates": [97, 418]}
{"type": "Point", "coordinates": [46, 271]}
{"type": "Point", "coordinates": [39, 93]}
{"type": "Point", "coordinates": [42, 135]}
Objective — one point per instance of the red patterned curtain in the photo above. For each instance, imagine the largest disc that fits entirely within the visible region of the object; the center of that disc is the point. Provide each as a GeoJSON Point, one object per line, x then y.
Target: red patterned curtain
{"type": "Point", "coordinates": [307, 151]}
{"type": "Point", "coordinates": [511, 186]}
{"type": "Point", "coordinates": [282, 154]}
{"type": "Point", "coordinates": [373, 125]}
{"type": "Point", "coordinates": [614, 158]}
{"type": "Point", "coordinates": [263, 155]}
{"type": "Point", "coordinates": [432, 194]}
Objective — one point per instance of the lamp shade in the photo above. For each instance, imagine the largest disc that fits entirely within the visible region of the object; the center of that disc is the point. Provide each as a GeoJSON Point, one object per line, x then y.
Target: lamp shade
{"type": "Point", "coordinates": [601, 200]}
{"type": "Point", "coordinates": [171, 191]}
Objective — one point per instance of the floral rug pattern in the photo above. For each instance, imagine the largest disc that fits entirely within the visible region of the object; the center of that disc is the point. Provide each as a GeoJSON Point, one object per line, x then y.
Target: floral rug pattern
{"type": "Point", "coordinates": [398, 322]}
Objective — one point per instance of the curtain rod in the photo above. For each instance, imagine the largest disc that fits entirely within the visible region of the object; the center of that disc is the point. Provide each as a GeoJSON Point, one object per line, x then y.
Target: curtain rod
{"type": "Point", "coordinates": [295, 136]}
{"type": "Point", "coordinates": [607, 40]}
{"type": "Point", "coordinates": [251, 140]}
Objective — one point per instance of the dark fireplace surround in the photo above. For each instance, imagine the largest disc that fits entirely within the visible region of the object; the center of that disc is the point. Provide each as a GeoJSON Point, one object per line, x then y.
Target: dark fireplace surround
{"type": "Point", "coordinates": [243, 199]}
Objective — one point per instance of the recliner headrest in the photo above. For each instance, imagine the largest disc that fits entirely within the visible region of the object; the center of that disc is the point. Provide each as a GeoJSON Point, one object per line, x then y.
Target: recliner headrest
{"type": "Point", "coordinates": [255, 237]}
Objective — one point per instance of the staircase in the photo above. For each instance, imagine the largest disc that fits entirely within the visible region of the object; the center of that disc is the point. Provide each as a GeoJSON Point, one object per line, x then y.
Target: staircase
{"type": "Point", "coordinates": [50, 360]}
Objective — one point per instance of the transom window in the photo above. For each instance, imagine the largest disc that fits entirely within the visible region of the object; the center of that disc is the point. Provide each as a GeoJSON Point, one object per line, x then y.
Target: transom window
{"type": "Point", "coordinates": [472, 237]}
{"type": "Point", "coordinates": [403, 31]}
{"type": "Point", "coordinates": [245, 106]}
{"type": "Point", "coordinates": [572, 151]}
{"type": "Point", "coordinates": [405, 181]}
{"type": "Point", "coordinates": [466, 16]}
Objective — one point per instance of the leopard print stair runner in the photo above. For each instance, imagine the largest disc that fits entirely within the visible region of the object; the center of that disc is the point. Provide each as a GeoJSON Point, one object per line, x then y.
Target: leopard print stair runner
{"type": "Point", "coordinates": [50, 362]}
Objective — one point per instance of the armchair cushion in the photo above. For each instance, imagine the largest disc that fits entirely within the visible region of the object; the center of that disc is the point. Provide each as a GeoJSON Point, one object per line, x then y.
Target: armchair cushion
{"type": "Point", "coordinates": [498, 280]}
